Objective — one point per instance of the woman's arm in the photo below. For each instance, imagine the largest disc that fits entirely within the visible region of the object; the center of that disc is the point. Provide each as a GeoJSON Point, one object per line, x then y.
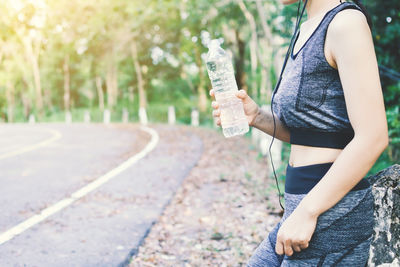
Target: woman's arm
{"type": "Point", "coordinates": [264, 122]}
{"type": "Point", "coordinates": [354, 54]}
{"type": "Point", "coordinates": [256, 116]}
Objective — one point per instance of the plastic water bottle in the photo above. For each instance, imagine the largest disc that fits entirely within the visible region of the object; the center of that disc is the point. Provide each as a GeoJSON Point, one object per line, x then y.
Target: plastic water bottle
{"type": "Point", "coordinates": [221, 74]}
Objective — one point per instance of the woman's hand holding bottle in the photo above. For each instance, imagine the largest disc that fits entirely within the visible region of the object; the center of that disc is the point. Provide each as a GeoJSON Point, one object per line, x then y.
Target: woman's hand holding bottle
{"type": "Point", "coordinates": [250, 107]}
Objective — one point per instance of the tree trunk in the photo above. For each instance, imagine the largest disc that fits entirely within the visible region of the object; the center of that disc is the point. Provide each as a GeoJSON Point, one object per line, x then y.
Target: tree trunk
{"type": "Point", "coordinates": [10, 101]}
{"type": "Point", "coordinates": [253, 45]}
{"type": "Point", "coordinates": [141, 89]}
{"type": "Point", "coordinates": [263, 86]}
{"type": "Point", "coordinates": [114, 82]}
{"type": "Point", "coordinates": [202, 97]}
{"type": "Point", "coordinates": [66, 84]}
{"type": "Point", "coordinates": [240, 75]}
{"type": "Point", "coordinates": [265, 57]}
{"type": "Point", "coordinates": [100, 93]}
{"type": "Point", "coordinates": [131, 95]}
{"type": "Point", "coordinates": [33, 58]}
{"type": "Point", "coordinates": [109, 88]}
{"type": "Point", "coordinates": [47, 99]}
{"type": "Point", "coordinates": [202, 105]}
{"type": "Point", "coordinates": [263, 19]}
{"type": "Point", "coordinates": [26, 102]}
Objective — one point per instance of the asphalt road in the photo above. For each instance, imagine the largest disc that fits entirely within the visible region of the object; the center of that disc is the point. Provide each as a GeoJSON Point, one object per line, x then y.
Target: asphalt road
{"type": "Point", "coordinates": [42, 165]}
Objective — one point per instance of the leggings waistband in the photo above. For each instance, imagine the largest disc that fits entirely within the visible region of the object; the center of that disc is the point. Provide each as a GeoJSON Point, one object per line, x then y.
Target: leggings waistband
{"type": "Point", "coordinates": [301, 179]}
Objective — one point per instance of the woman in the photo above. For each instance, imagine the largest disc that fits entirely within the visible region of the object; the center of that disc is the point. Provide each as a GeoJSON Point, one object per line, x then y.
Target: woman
{"type": "Point", "coordinates": [330, 108]}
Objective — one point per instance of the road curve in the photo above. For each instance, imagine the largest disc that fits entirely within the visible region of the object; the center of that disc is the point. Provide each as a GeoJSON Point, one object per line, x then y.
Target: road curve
{"type": "Point", "coordinates": [105, 225]}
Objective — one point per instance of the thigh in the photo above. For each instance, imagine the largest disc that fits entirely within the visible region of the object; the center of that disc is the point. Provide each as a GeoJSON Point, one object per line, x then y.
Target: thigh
{"type": "Point", "coordinates": [342, 235]}
{"type": "Point", "coordinates": [353, 256]}
{"type": "Point", "coordinates": [265, 255]}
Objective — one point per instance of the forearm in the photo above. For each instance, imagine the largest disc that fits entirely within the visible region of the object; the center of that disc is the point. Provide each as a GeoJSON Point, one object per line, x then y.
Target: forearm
{"type": "Point", "coordinates": [264, 122]}
{"type": "Point", "coordinates": [352, 164]}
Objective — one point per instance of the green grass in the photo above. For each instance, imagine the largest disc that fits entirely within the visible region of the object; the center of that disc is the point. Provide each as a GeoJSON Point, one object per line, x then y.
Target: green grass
{"type": "Point", "coordinates": [158, 113]}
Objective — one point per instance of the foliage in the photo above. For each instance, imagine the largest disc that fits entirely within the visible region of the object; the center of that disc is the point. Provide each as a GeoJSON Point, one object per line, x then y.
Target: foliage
{"type": "Point", "coordinates": [386, 33]}
{"type": "Point", "coordinates": [53, 54]}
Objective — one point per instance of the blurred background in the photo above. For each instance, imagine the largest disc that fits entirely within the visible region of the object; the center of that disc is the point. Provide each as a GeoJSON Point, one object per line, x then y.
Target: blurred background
{"type": "Point", "coordinates": [70, 56]}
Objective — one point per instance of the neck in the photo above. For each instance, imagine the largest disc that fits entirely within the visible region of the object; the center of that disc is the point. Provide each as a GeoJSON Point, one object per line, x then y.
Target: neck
{"type": "Point", "coordinates": [314, 8]}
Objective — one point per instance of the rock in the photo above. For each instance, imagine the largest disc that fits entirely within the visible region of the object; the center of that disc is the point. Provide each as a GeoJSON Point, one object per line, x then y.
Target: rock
{"type": "Point", "coordinates": [385, 246]}
{"type": "Point", "coordinates": [217, 236]}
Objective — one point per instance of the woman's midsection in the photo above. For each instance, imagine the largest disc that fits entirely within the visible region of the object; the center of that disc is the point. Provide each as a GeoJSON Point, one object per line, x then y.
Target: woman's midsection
{"type": "Point", "coordinates": [306, 155]}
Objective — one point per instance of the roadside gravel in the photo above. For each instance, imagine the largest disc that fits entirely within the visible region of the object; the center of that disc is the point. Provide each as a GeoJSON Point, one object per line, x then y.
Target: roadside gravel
{"type": "Point", "coordinates": [224, 208]}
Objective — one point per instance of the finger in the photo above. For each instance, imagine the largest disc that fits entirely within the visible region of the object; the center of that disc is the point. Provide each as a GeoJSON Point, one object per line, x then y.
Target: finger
{"type": "Point", "coordinates": [216, 113]}
{"type": "Point", "coordinates": [288, 247]}
{"type": "Point", "coordinates": [279, 247]}
{"type": "Point", "coordinates": [304, 245]}
{"type": "Point", "coordinates": [214, 104]}
{"type": "Point", "coordinates": [212, 92]}
{"type": "Point", "coordinates": [297, 248]}
{"type": "Point", "coordinates": [219, 122]}
{"type": "Point", "coordinates": [241, 94]}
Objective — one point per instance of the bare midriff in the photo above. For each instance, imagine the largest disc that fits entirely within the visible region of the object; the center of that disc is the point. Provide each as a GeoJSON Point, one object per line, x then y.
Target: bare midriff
{"type": "Point", "coordinates": [307, 155]}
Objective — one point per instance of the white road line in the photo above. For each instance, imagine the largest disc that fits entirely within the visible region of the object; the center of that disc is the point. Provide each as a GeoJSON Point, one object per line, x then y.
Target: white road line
{"type": "Point", "coordinates": [37, 218]}
{"type": "Point", "coordinates": [56, 135]}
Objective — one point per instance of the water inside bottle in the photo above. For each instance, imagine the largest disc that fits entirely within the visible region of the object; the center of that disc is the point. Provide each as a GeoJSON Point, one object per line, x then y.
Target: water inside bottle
{"type": "Point", "coordinates": [233, 119]}
{"type": "Point", "coordinates": [221, 73]}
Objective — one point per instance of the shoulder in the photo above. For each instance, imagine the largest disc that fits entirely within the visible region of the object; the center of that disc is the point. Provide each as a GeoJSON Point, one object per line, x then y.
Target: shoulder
{"type": "Point", "coordinates": [347, 22]}
{"type": "Point", "coordinates": [349, 33]}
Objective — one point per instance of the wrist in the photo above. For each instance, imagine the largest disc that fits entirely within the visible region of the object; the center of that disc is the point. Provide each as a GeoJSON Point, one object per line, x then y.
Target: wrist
{"type": "Point", "coordinates": [311, 210]}
{"type": "Point", "coordinates": [253, 123]}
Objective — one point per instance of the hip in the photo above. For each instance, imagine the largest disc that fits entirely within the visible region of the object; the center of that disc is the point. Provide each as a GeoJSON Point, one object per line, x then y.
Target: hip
{"type": "Point", "coordinates": [342, 228]}
{"type": "Point", "coordinates": [347, 224]}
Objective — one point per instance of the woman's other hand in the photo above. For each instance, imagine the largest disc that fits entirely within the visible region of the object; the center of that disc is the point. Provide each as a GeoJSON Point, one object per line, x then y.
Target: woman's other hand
{"type": "Point", "coordinates": [250, 107]}
{"type": "Point", "coordinates": [295, 232]}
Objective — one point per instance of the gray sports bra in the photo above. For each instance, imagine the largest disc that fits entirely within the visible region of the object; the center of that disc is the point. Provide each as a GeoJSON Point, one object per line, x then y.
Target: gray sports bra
{"type": "Point", "coordinates": [310, 99]}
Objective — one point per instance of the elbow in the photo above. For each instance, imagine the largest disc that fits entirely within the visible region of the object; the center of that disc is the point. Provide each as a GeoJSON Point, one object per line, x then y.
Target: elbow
{"type": "Point", "coordinates": [383, 139]}
{"type": "Point", "coordinates": [385, 143]}
{"type": "Point", "coordinates": [377, 141]}
{"type": "Point", "coordinates": [380, 142]}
